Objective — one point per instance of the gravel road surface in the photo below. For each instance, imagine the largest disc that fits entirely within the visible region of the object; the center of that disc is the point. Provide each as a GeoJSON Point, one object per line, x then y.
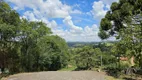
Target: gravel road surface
{"type": "Point", "coordinates": [58, 75]}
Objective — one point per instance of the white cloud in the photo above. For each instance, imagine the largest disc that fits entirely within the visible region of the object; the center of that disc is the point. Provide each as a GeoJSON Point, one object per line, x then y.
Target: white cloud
{"type": "Point", "coordinates": [68, 21]}
{"type": "Point", "coordinates": [109, 2]}
{"type": "Point", "coordinates": [49, 8]}
{"type": "Point", "coordinates": [108, 6]}
{"type": "Point", "coordinates": [76, 6]}
{"type": "Point", "coordinates": [30, 16]}
{"type": "Point", "coordinates": [35, 16]}
{"type": "Point", "coordinates": [98, 10]}
{"type": "Point", "coordinates": [76, 12]}
{"type": "Point", "coordinates": [91, 31]}
{"type": "Point", "coordinates": [88, 13]}
{"type": "Point", "coordinates": [88, 34]}
{"type": "Point", "coordinates": [43, 10]}
{"type": "Point", "coordinates": [52, 24]}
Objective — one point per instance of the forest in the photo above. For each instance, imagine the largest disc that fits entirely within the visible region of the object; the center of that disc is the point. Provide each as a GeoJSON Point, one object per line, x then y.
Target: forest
{"type": "Point", "coordinates": [28, 46]}
{"type": "Point", "coordinates": [31, 46]}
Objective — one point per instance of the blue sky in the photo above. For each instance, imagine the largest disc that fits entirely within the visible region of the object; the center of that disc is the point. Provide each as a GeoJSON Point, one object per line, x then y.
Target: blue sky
{"type": "Point", "coordinates": [73, 20]}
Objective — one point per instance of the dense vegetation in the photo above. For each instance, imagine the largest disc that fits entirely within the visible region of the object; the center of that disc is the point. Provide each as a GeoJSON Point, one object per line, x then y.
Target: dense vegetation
{"type": "Point", "coordinates": [124, 21]}
{"type": "Point", "coordinates": [95, 56]}
{"type": "Point", "coordinates": [28, 45]}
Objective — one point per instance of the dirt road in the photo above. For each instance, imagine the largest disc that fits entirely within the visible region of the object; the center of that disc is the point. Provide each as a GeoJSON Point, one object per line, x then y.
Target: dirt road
{"type": "Point", "coordinates": [59, 75]}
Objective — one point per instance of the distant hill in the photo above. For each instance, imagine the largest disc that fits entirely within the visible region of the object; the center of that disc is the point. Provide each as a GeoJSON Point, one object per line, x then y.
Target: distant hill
{"type": "Point", "coordinates": [81, 44]}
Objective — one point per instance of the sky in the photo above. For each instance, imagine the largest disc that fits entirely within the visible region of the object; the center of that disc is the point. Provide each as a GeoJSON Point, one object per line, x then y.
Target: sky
{"type": "Point", "coordinates": [73, 20]}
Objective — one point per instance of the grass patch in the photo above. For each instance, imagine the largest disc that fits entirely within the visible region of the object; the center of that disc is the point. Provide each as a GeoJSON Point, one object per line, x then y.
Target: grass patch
{"type": "Point", "coordinates": [112, 78]}
{"type": "Point", "coordinates": [68, 68]}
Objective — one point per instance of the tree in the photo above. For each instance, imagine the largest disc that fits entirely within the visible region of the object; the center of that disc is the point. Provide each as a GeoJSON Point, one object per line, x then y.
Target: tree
{"type": "Point", "coordinates": [7, 15]}
{"type": "Point", "coordinates": [7, 45]}
{"type": "Point", "coordinates": [85, 58]}
{"type": "Point", "coordinates": [121, 14]}
{"type": "Point", "coordinates": [125, 18]}
{"type": "Point", "coordinates": [53, 52]}
{"type": "Point", "coordinates": [8, 31]}
{"type": "Point", "coordinates": [28, 45]}
{"type": "Point", "coordinates": [30, 34]}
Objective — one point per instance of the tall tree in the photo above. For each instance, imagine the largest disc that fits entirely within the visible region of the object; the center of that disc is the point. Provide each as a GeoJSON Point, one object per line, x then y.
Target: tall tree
{"type": "Point", "coordinates": [53, 52]}
{"type": "Point", "coordinates": [124, 21]}
{"type": "Point", "coordinates": [28, 45]}
{"type": "Point", "coordinates": [85, 58]}
{"type": "Point", "coordinates": [8, 31]}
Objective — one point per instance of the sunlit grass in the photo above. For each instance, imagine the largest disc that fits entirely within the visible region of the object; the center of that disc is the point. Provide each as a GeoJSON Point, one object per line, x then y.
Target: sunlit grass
{"type": "Point", "coordinates": [72, 68]}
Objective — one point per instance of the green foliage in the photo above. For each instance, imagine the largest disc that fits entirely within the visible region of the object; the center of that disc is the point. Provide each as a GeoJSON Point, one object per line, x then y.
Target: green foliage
{"type": "Point", "coordinates": [126, 18]}
{"type": "Point", "coordinates": [54, 52]}
{"type": "Point", "coordinates": [108, 15]}
{"type": "Point", "coordinates": [71, 68]}
{"type": "Point", "coordinates": [7, 15]}
{"type": "Point", "coordinates": [103, 35]}
{"type": "Point", "coordinates": [114, 6]}
{"type": "Point", "coordinates": [85, 58]}
{"type": "Point", "coordinates": [122, 12]}
{"type": "Point", "coordinates": [105, 24]}
{"type": "Point", "coordinates": [28, 45]}
{"type": "Point", "coordinates": [126, 9]}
